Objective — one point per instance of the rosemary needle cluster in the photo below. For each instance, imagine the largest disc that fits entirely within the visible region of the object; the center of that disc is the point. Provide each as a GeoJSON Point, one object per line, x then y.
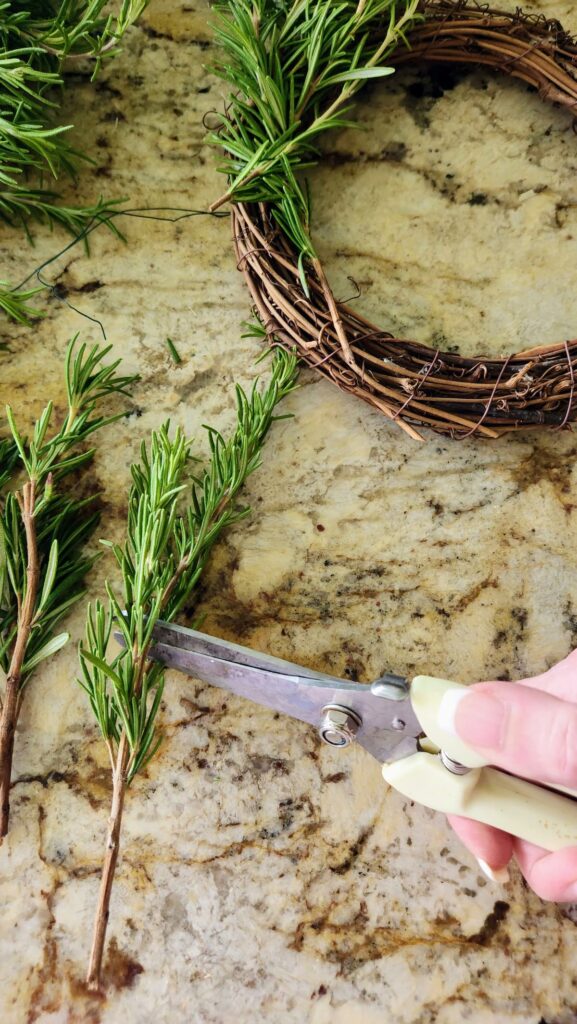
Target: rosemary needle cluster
{"type": "Point", "coordinates": [294, 67]}
{"type": "Point", "coordinates": [173, 522]}
{"type": "Point", "coordinates": [43, 531]}
{"type": "Point", "coordinates": [39, 43]}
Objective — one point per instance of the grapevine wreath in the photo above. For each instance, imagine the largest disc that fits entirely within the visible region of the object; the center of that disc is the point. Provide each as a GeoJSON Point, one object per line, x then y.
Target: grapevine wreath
{"type": "Point", "coordinates": [294, 66]}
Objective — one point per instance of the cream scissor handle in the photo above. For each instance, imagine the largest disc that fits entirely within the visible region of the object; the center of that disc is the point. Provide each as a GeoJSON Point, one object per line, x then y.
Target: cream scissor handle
{"type": "Point", "coordinates": [542, 816]}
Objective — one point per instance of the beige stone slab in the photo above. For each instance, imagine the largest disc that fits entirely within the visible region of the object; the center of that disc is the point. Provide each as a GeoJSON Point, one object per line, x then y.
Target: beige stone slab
{"type": "Point", "coordinates": [263, 879]}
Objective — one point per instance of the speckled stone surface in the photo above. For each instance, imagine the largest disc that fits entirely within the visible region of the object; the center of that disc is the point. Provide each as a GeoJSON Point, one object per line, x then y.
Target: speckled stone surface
{"type": "Point", "coordinates": [262, 878]}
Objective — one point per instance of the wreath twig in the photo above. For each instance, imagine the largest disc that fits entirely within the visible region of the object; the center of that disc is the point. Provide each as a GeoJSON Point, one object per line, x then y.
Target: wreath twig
{"type": "Point", "coordinates": [531, 47]}
{"type": "Point", "coordinates": [411, 383]}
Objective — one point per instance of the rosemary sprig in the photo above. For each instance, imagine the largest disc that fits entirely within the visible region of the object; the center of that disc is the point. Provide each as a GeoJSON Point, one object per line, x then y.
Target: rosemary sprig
{"type": "Point", "coordinates": [168, 542]}
{"type": "Point", "coordinates": [294, 67]}
{"type": "Point", "coordinates": [43, 531]}
{"type": "Point", "coordinates": [38, 43]}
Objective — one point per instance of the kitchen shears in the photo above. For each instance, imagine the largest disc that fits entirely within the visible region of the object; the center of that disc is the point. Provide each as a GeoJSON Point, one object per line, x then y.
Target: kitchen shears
{"type": "Point", "coordinates": [394, 720]}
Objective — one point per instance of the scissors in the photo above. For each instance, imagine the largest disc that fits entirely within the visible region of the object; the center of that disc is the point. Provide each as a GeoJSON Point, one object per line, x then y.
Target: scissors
{"type": "Point", "coordinates": [394, 720]}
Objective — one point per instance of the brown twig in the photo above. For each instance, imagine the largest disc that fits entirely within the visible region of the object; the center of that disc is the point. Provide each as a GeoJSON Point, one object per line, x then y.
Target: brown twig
{"type": "Point", "coordinates": [11, 704]}
{"type": "Point", "coordinates": [120, 775]}
{"type": "Point", "coordinates": [335, 315]}
{"type": "Point", "coordinates": [119, 785]}
{"type": "Point", "coordinates": [452, 394]}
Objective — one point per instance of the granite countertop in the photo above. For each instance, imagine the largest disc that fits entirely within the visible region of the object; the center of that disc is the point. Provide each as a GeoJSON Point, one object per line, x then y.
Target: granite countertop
{"type": "Point", "coordinates": [262, 877]}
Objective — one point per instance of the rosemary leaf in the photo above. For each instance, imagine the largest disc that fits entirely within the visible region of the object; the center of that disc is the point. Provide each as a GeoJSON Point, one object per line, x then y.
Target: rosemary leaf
{"type": "Point", "coordinates": [173, 351]}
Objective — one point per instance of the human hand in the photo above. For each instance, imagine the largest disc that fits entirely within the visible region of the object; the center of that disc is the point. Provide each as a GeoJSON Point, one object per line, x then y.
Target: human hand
{"type": "Point", "coordinates": [528, 728]}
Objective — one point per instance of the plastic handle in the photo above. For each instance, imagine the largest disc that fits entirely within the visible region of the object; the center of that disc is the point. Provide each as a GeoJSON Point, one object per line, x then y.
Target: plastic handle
{"type": "Point", "coordinates": [541, 816]}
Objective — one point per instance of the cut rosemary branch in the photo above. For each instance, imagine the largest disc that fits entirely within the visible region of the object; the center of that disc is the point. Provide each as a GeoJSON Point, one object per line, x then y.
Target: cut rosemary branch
{"type": "Point", "coordinates": [43, 530]}
{"type": "Point", "coordinates": [38, 44]}
{"type": "Point", "coordinates": [294, 67]}
{"type": "Point", "coordinates": [168, 541]}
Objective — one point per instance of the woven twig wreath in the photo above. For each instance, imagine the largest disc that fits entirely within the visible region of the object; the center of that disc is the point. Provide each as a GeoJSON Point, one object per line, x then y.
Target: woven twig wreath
{"type": "Point", "coordinates": [411, 383]}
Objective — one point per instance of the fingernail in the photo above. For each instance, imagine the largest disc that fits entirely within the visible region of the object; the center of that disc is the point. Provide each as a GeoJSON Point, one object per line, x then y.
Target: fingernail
{"type": "Point", "coordinates": [477, 717]}
{"type": "Point", "coordinates": [448, 708]}
{"type": "Point", "coordinates": [499, 875]}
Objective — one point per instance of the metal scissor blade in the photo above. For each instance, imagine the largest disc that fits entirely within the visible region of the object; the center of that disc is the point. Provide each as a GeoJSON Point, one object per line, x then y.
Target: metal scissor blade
{"type": "Point", "coordinates": [388, 728]}
{"type": "Point", "coordinates": [201, 643]}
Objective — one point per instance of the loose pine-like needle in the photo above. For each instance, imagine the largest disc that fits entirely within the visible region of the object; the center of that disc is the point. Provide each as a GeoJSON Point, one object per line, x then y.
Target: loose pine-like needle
{"type": "Point", "coordinates": [173, 351]}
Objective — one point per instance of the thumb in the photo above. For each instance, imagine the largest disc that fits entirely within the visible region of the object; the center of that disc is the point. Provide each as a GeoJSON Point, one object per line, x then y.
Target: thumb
{"type": "Point", "coordinates": [525, 731]}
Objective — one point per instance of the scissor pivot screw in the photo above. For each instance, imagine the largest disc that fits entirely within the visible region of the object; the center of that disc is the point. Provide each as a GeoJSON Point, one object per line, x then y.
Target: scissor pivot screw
{"type": "Point", "coordinates": [339, 726]}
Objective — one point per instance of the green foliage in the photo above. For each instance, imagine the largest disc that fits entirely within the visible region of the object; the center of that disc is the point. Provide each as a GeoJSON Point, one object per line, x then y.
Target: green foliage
{"type": "Point", "coordinates": [38, 43]}
{"type": "Point", "coordinates": [174, 354]}
{"type": "Point", "coordinates": [60, 522]}
{"type": "Point", "coordinates": [169, 538]}
{"type": "Point", "coordinates": [294, 67]}
{"type": "Point", "coordinates": [16, 303]}
{"type": "Point", "coordinates": [8, 460]}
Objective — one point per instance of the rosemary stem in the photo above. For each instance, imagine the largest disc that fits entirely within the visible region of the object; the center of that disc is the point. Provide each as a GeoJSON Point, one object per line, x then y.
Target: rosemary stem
{"type": "Point", "coordinates": [226, 196]}
{"type": "Point", "coordinates": [119, 784]}
{"type": "Point", "coordinates": [120, 774]}
{"type": "Point", "coordinates": [70, 57]}
{"type": "Point", "coordinates": [11, 706]}
{"type": "Point", "coordinates": [7, 730]}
